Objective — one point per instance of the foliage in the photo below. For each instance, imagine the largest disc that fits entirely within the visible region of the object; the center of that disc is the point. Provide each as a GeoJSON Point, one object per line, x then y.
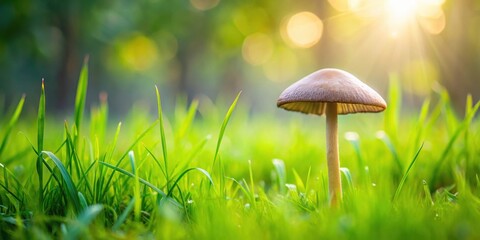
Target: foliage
{"type": "Point", "coordinates": [263, 177]}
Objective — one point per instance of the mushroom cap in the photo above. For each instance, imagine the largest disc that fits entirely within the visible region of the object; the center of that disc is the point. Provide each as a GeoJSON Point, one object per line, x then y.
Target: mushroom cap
{"type": "Point", "coordinates": [310, 94]}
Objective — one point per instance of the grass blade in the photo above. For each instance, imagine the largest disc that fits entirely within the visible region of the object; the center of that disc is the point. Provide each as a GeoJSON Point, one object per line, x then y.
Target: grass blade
{"type": "Point", "coordinates": [394, 105]}
{"type": "Point", "coordinates": [386, 140]}
{"type": "Point", "coordinates": [136, 189]}
{"type": "Point", "coordinates": [153, 187]}
{"type": "Point", "coordinates": [71, 190]}
{"type": "Point", "coordinates": [80, 98]}
{"type": "Point", "coordinates": [124, 215]}
{"type": "Point", "coordinates": [203, 171]}
{"type": "Point", "coordinates": [348, 176]}
{"type": "Point", "coordinates": [162, 135]}
{"type": "Point", "coordinates": [224, 126]}
{"type": "Point", "coordinates": [40, 139]}
{"type": "Point", "coordinates": [11, 123]}
{"type": "Point", "coordinates": [281, 174]}
{"type": "Point", "coordinates": [83, 201]}
{"type": "Point", "coordinates": [187, 122]}
{"type": "Point", "coordinates": [82, 222]}
{"type": "Point", "coordinates": [400, 185]}
{"type": "Point", "coordinates": [107, 185]}
{"type": "Point", "coordinates": [464, 125]}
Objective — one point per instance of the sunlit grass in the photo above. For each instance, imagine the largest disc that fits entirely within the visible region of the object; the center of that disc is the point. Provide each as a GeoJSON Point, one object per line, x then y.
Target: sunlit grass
{"type": "Point", "coordinates": [216, 171]}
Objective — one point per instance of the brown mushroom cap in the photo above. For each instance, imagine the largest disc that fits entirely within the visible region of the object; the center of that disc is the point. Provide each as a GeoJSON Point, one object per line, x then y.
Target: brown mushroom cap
{"type": "Point", "coordinates": [311, 93]}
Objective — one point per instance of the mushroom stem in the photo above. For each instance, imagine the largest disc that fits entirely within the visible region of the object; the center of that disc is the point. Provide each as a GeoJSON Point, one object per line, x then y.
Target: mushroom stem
{"type": "Point", "coordinates": [334, 182]}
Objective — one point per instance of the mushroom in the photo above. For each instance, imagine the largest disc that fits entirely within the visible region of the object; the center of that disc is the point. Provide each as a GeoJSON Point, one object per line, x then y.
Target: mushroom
{"type": "Point", "coordinates": [331, 92]}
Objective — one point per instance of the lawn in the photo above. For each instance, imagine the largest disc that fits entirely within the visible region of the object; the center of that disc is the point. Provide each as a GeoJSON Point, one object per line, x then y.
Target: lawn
{"type": "Point", "coordinates": [215, 170]}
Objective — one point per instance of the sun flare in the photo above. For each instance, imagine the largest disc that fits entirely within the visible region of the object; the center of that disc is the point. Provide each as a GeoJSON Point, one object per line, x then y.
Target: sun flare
{"type": "Point", "coordinates": [399, 14]}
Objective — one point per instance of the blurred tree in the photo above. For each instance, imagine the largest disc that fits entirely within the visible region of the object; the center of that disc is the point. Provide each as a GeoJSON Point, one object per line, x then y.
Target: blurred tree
{"type": "Point", "coordinates": [194, 46]}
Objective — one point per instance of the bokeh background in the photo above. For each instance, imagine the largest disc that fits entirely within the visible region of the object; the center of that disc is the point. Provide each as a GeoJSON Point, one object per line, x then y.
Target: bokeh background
{"type": "Point", "coordinates": [215, 48]}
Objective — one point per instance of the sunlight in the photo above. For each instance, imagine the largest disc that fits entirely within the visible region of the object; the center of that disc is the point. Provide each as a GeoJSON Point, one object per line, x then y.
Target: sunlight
{"type": "Point", "coordinates": [139, 52]}
{"type": "Point", "coordinates": [282, 66]}
{"type": "Point", "coordinates": [257, 48]}
{"type": "Point", "coordinates": [345, 5]}
{"type": "Point", "coordinates": [304, 29]}
{"type": "Point", "coordinates": [203, 5]}
{"type": "Point", "coordinates": [400, 13]}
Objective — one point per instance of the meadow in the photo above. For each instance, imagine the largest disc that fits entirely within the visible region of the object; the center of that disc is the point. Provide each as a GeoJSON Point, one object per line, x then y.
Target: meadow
{"type": "Point", "coordinates": [214, 170]}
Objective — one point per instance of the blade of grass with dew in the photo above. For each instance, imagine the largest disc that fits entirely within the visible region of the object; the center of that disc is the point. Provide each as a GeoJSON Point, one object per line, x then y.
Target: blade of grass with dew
{"type": "Point", "coordinates": [80, 99]}
{"type": "Point", "coordinates": [162, 135]}
{"type": "Point", "coordinates": [75, 229]}
{"type": "Point", "coordinates": [402, 182]}
{"type": "Point", "coordinates": [11, 123]}
{"type": "Point", "coordinates": [40, 138]}
{"type": "Point", "coordinates": [182, 174]}
{"type": "Point", "coordinates": [136, 189]}
{"type": "Point", "coordinates": [70, 188]}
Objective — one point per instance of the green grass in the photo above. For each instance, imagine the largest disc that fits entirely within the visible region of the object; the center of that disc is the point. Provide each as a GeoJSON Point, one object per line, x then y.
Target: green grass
{"type": "Point", "coordinates": [193, 174]}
